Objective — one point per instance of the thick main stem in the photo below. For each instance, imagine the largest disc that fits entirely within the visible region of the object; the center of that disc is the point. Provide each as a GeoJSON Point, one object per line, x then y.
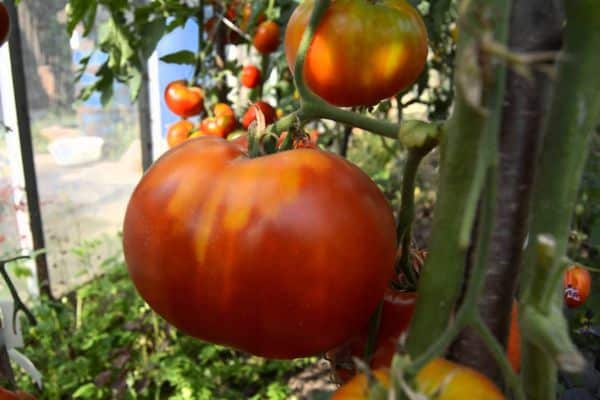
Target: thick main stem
{"type": "Point", "coordinates": [574, 112]}
{"type": "Point", "coordinates": [461, 176]}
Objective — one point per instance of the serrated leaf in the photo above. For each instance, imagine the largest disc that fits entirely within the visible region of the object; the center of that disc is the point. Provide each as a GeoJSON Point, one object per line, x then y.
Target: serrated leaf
{"type": "Point", "coordinates": [151, 32]}
{"type": "Point", "coordinates": [180, 57]}
{"type": "Point", "coordinates": [78, 11]}
{"type": "Point", "coordinates": [135, 84]}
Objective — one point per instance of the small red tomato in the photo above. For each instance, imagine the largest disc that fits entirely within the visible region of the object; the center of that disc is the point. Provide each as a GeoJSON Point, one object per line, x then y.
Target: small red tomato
{"type": "Point", "coordinates": [4, 24]}
{"type": "Point", "coordinates": [220, 126]}
{"type": "Point", "coordinates": [250, 115]}
{"type": "Point", "coordinates": [222, 109]}
{"type": "Point", "coordinates": [183, 99]}
{"type": "Point", "coordinates": [266, 38]}
{"type": "Point", "coordinates": [577, 284]}
{"type": "Point", "coordinates": [250, 77]}
{"type": "Point", "coordinates": [396, 313]}
{"type": "Point", "coordinates": [179, 132]}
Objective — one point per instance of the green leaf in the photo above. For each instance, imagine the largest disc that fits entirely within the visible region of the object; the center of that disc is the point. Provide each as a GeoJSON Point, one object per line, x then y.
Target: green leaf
{"type": "Point", "coordinates": [80, 11]}
{"type": "Point", "coordinates": [86, 390]}
{"type": "Point", "coordinates": [135, 84]}
{"type": "Point", "coordinates": [151, 33]}
{"type": "Point", "coordinates": [180, 57]}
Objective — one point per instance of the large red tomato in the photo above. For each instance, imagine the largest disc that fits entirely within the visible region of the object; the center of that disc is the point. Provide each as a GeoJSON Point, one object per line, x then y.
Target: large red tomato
{"type": "Point", "coordinates": [4, 24]}
{"type": "Point", "coordinates": [577, 285]}
{"type": "Point", "coordinates": [250, 76]}
{"type": "Point", "coordinates": [282, 256]}
{"type": "Point", "coordinates": [362, 52]}
{"type": "Point", "coordinates": [183, 99]}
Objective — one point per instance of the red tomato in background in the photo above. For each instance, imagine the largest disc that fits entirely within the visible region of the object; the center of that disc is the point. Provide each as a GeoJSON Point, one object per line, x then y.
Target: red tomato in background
{"type": "Point", "coordinates": [223, 109]}
{"type": "Point", "coordinates": [265, 255]}
{"type": "Point", "coordinates": [18, 395]}
{"type": "Point", "coordinates": [220, 126]}
{"type": "Point", "coordinates": [396, 313]}
{"type": "Point", "coordinates": [577, 285]}
{"type": "Point", "coordinates": [381, 52]}
{"type": "Point", "coordinates": [250, 115]}
{"type": "Point", "coordinates": [250, 76]}
{"type": "Point", "coordinates": [4, 24]}
{"type": "Point", "coordinates": [266, 38]}
{"type": "Point", "coordinates": [179, 132]}
{"type": "Point", "coordinates": [183, 99]}
{"type": "Point", "coordinates": [513, 347]}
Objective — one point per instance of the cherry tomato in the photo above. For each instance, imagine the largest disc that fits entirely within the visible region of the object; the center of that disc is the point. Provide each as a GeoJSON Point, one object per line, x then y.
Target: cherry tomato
{"type": "Point", "coordinates": [250, 77]}
{"type": "Point", "coordinates": [220, 126]}
{"type": "Point", "coordinates": [183, 99]}
{"type": "Point", "coordinates": [222, 109]}
{"type": "Point", "coordinates": [179, 132]}
{"type": "Point", "coordinates": [577, 284]}
{"type": "Point", "coordinates": [266, 38]}
{"type": "Point", "coordinates": [362, 52]}
{"type": "Point", "coordinates": [250, 115]}
{"type": "Point", "coordinates": [259, 254]}
{"type": "Point", "coordinates": [440, 378]}
{"type": "Point", "coordinates": [4, 24]}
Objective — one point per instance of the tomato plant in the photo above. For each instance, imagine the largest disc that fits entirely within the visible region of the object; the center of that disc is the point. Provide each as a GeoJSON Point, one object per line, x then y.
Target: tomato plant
{"type": "Point", "coordinates": [266, 37]}
{"type": "Point", "coordinates": [264, 107]}
{"type": "Point", "coordinates": [250, 76]}
{"type": "Point", "coordinates": [577, 284]}
{"type": "Point", "coordinates": [4, 24]}
{"type": "Point", "coordinates": [183, 99]}
{"type": "Point", "coordinates": [362, 52]}
{"type": "Point", "coordinates": [212, 239]}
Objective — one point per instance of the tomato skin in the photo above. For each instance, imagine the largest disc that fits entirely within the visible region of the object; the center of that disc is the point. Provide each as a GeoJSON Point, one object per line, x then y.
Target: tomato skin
{"type": "Point", "coordinates": [362, 52]}
{"type": "Point", "coordinates": [183, 99]}
{"type": "Point", "coordinates": [4, 24]}
{"type": "Point", "coordinates": [446, 379]}
{"type": "Point", "coordinates": [179, 132]}
{"type": "Point", "coordinates": [577, 284]}
{"type": "Point", "coordinates": [18, 395]}
{"type": "Point", "coordinates": [251, 253]}
{"type": "Point", "coordinates": [250, 114]}
{"type": "Point", "coordinates": [250, 76]}
{"type": "Point", "coordinates": [266, 38]}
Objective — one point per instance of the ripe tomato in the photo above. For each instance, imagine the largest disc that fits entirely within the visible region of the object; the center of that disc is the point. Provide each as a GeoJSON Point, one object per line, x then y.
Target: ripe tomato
{"type": "Point", "coordinates": [440, 378]}
{"type": "Point", "coordinates": [275, 255]}
{"type": "Point", "coordinates": [179, 132]}
{"type": "Point", "coordinates": [513, 347]}
{"type": "Point", "coordinates": [222, 109]}
{"type": "Point", "coordinates": [4, 24]}
{"type": "Point", "coordinates": [183, 99]}
{"type": "Point", "coordinates": [250, 115]}
{"type": "Point", "coordinates": [266, 38]}
{"type": "Point", "coordinates": [250, 77]}
{"type": "Point", "coordinates": [396, 313]}
{"type": "Point", "coordinates": [577, 284]}
{"type": "Point", "coordinates": [18, 395]}
{"type": "Point", "coordinates": [362, 52]}
{"type": "Point", "coordinates": [220, 126]}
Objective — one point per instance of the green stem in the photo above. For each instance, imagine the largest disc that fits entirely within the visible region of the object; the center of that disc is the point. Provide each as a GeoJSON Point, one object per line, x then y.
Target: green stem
{"type": "Point", "coordinates": [317, 13]}
{"type": "Point", "coordinates": [500, 356]}
{"type": "Point", "coordinates": [571, 119]}
{"type": "Point", "coordinates": [199, 61]}
{"type": "Point", "coordinates": [406, 215]}
{"type": "Point", "coordinates": [315, 108]}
